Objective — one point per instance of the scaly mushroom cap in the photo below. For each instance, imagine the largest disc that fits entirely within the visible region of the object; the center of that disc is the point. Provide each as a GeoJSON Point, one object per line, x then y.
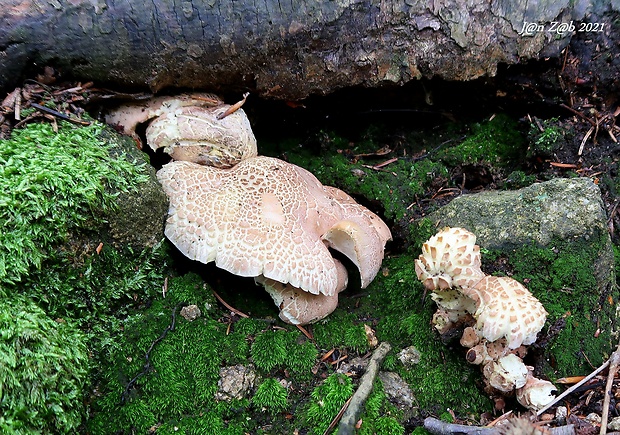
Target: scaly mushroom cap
{"type": "Point", "coordinates": [194, 134]}
{"type": "Point", "coordinates": [536, 393]}
{"type": "Point", "coordinates": [268, 217]}
{"type": "Point", "coordinates": [449, 259]}
{"type": "Point", "coordinates": [506, 309]}
{"type": "Point", "coordinates": [128, 116]}
{"type": "Point", "coordinates": [299, 307]}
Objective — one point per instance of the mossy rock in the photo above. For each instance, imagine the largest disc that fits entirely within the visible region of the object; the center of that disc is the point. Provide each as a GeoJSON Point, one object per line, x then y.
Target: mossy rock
{"type": "Point", "coordinates": [553, 237]}
{"type": "Point", "coordinates": [64, 256]}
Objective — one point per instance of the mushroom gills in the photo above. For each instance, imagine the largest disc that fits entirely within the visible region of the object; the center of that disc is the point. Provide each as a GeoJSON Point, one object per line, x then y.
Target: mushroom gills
{"type": "Point", "coordinates": [363, 248]}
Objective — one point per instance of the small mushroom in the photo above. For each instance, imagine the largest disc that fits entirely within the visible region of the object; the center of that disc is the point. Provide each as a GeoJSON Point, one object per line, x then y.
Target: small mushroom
{"type": "Point", "coordinates": [128, 116]}
{"type": "Point", "coordinates": [268, 217]}
{"type": "Point", "coordinates": [506, 374]}
{"type": "Point", "coordinates": [505, 308]}
{"type": "Point", "coordinates": [536, 393]}
{"type": "Point", "coordinates": [449, 259]}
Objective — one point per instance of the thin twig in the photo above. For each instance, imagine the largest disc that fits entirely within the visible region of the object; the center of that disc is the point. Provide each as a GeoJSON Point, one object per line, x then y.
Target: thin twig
{"type": "Point", "coordinates": [438, 427]}
{"type": "Point", "coordinates": [350, 416]}
{"type": "Point", "coordinates": [338, 416]}
{"type": "Point", "coordinates": [614, 360]}
{"type": "Point", "coordinates": [574, 387]}
{"type": "Point", "coordinates": [223, 302]}
{"type": "Point", "coordinates": [579, 114]}
{"type": "Point", "coordinates": [585, 138]}
{"type": "Point", "coordinates": [59, 114]}
{"type": "Point", "coordinates": [305, 332]}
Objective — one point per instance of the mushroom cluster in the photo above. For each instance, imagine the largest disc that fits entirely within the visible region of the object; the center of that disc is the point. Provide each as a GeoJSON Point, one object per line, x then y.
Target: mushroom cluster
{"type": "Point", "coordinates": [499, 315]}
{"type": "Point", "coordinates": [255, 216]}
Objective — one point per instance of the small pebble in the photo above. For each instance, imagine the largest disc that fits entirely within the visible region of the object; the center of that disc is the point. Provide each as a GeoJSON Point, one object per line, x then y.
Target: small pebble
{"type": "Point", "coordinates": [614, 424]}
{"type": "Point", "coordinates": [409, 356]}
{"type": "Point", "coordinates": [561, 413]}
{"type": "Point", "coordinates": [190, 312]}
{"type": "Point", "coordinates": [593, 418]}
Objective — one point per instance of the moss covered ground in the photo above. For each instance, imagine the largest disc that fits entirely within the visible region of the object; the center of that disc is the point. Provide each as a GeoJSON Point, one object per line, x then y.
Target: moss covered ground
{"type": "Point", "coordinates": [142, 368]}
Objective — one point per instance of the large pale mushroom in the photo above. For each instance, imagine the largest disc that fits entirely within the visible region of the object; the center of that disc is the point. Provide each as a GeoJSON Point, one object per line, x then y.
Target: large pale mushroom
{"type": "Point", "coordinates": [298, 307]}
{"type": "Point", "coordinates": [266, 217]}
{"type": "Point", "coordinates": [254, 216]}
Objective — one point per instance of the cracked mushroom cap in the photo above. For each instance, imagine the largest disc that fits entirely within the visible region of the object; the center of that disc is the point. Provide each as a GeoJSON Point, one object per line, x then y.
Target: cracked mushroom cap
{"type": "Point", "coordinates": [505, 308]}
{"type": "Point", "coordinates": [449, 259]}
{"type": "Point", "coordinates": [536, 393]}
{"type": "Point", "coordinates": [195, 134]}
{"type": "Point", "coordinates": [299, 307]}
{"type": "Point", "coordinates": [128, 116]}
{"type": "Point", "coordinates": [268, 217]}
{"type": "Point", "coordinates": [506, 374]}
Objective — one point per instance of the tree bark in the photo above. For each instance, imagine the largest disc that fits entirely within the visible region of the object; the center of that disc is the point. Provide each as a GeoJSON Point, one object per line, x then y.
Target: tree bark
{"type": "Point", "coordinates": [277, 48]}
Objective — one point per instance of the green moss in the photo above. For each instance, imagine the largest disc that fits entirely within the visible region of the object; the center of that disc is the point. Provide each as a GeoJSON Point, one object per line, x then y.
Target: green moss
{"type": "Point", "coordinates": [51, 183]}
{"type": "Point", "coordinates": [326, 401]}
{"type": "Point", "coordinates": [518, 179]}
{"type": "Point", "coordinates": [271, 396]}
{"type": "Point", "coordinates": [380, 416]}
{"type": "Point", "coordinates": [562, 277]}
{"type": "Point", "coordinates": [183, 369]}
{"type": "Point", "coordinates": [442, 379]}
{"type": "Point", "coordinates": [341, 330]}
{"type": "Point", "coordinates": [544, 143]}
{"type": "Point", "coordinates": [423, 172]}
{"type": "Point", "coordinates": [497, 142]}
{"type": "Point", "coordinates": [284, 350]}
{"type": "Point", "coordinates": [43, 366]}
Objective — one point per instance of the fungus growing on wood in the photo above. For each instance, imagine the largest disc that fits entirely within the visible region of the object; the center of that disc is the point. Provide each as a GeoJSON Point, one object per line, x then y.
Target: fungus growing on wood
{"type": "Point", "coordinates": [254, 216]}
{"type": "Point", "coordinates": [187, 128]}
{"type": "Point", "coordinates": [195, 134]}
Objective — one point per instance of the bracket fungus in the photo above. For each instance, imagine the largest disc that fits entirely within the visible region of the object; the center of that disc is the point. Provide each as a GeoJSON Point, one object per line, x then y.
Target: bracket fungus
{"type": "Point", "coordinates": [504, 316]}
{"type": "Point", "coordinates": [256, 216]}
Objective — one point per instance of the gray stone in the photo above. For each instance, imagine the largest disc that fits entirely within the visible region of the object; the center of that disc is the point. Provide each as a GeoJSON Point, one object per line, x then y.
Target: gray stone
{"type": "Point", "coordinates": [396, 390]}
{"type": "Point", "coordinates": [190, 312]}
{"type": "Point", "coordinates": [235, 382]}
{"type": "Point", "coordinates": [409, 356]}
{"type": "Point", "coordinates": [614, 424]}
{"type": "Point", "coordinates": [568, 209]}
{"type": "Point", "coordinates": [139, 220]}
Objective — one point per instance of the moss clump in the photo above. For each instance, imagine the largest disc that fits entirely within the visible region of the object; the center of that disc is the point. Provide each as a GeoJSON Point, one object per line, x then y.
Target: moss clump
{"type": "Point", "coordinates": [179, 381]}
{"type": "Point", "coordinates": [50, 184]}
{"type": "Point", "coordinates": [562, 277]}
{"type": "Point", "coordinates": [442, 379]}
{"type": "Point", "coordinates": [341, 330]}
{"type": "Point", "coordinates": [496, 142]}
{"type": "Point", "coordinates": [518, 180]}
{"type": "Point", "coordinates": [43, 366]}
{"type": "Point", "coordinates": [326, 401]}
{"type": "Point", "coordinates": [271, 395]}
{"type": "Point", "coordinates": [380, 416]}
{"type": "Point", "coordinates": [284, 350]}
{"type": "Point", "coordinates": [544, 143]}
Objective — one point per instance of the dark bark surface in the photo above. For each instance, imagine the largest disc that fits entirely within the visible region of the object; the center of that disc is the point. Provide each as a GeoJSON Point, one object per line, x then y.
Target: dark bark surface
{"type": "Point", "coordinates": [281, 49]}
